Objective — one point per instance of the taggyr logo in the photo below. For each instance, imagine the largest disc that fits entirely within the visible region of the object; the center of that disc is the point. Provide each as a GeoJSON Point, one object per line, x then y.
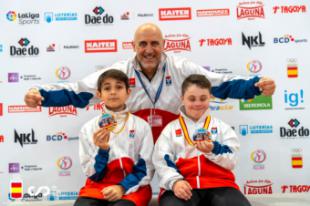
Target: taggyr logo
{"type": "Point", "coordinates": [215, 42]}
{"type": "Point", "coordinates": [24, 50]}
{"type": "Point", "coordinates": [98, 18]}
{"type": "Point", "coordinates": [292, 9]}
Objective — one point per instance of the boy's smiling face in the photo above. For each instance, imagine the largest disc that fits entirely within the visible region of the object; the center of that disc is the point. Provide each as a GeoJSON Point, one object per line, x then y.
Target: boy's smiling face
{"type": "Point", "coordinates": [114, 94]}
{"type": "Point", "coordinates": [196, 101]}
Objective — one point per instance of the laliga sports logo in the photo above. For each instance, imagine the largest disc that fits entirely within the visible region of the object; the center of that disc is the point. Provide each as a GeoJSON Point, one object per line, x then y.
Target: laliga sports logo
{"type": "Point", "coordinates": [64, 163]}
{"type": "Point", "coordinates": [11, 15]}
{"type": "Point", "coordinates": [254, 66]}
{"type": "Point", "coordinates": [63, 73]}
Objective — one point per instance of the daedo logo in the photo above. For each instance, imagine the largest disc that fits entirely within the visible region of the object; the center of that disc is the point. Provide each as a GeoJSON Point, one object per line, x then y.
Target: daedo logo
{"type": "Point", "coordinates": [24, 50]}
{"type": "Point", "coordinates": [182, 13]}
{"type": "Point", "coordinates": [107, 45]}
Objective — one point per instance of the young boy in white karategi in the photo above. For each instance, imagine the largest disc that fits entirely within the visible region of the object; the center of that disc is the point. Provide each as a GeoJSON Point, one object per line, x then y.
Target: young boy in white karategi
{"type": "Point", "coordinates": [196, 153]}
{"type": "Point", "coordinates": [116, 157]}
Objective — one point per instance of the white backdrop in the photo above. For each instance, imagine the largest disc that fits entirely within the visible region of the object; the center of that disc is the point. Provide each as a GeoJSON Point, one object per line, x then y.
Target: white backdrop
{"type": "Point", "coordinates": [44, 42]}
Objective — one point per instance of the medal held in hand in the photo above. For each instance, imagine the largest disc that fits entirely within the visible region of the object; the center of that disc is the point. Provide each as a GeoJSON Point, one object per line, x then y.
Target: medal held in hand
{"type": "Point", "coordinates": [107, 121]}
{"type": "Point", "coordinates": [201, 135]}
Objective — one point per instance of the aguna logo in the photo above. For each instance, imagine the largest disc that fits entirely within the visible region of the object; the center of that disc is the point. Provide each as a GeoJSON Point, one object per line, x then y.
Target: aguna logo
{"type": "Point", "coordinates": [257, 187]}
{"type": "Point", "coordinates": [62, 111]}
{"type": "Point", "coordinates": [182, 13]}
{"type": "Point", "coordinates": [250, 10]}
{"type": "Point", "coordinates": [177, 42]}
{"type": "Point", "coordinates": [106, 45]}
{"type": "Point", "coordinates": [99, 17]}
{"type": "Point", "coordinates": [24, 49]}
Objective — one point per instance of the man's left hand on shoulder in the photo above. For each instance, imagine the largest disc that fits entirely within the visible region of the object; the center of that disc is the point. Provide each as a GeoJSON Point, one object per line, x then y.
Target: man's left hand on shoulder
{"type": "Point", "coordinates": [266, 85]}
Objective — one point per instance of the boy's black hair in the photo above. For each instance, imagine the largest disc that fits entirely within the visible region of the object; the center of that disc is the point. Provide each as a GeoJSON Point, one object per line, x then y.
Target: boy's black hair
{"type": "Point", "coordinates": [114, 74]}
{"type": "Point", "coordinates": [198, 80]}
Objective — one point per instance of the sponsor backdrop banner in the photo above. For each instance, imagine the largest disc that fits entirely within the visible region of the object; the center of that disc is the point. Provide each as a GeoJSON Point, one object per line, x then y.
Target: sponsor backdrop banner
{"type": "Point", "coordinates": [63, 41]}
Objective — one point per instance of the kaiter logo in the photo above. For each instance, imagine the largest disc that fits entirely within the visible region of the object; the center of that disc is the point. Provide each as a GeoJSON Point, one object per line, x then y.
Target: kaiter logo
{"type": "Point", "coordinates": [250, 10]}
{"type": "Point", "coordinates": [62, 111]}
{"type": "Point", "coordinates": [166, 14]}
{"type": "Point", "coordinates": [93, 46]}
{"type": "Point", "coordinates": [177, 43]}
{"type": "Point", "coordinates": [257, 187]}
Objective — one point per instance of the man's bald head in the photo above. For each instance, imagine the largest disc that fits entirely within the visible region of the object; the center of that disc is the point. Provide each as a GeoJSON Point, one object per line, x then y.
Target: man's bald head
{"type": "Point", "coordinates": [148, 28]}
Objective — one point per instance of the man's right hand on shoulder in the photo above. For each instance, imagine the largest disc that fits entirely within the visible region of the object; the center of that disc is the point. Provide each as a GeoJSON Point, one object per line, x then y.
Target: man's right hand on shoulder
{"type": "Point", "coordinates": [33, 98]}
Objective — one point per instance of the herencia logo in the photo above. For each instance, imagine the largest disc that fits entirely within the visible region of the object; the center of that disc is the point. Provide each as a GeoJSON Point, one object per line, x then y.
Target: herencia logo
{"type": "Point", "coordinates": [24, 48]}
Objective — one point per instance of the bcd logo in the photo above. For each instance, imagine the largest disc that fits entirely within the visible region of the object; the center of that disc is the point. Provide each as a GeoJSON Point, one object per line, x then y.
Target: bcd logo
{"type": "Point", "coordinates": [98, 18]}
{"type": "Point", "coordinates": [24, 50]}
{"type": "Point", "coordinates": [57, 137]}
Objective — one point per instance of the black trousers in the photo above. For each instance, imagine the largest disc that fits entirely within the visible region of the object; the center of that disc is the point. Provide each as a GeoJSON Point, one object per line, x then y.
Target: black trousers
{"type": "Point", "coordinates": [84, 201]}
{"type": "Point", "coordinates": [222, 196]}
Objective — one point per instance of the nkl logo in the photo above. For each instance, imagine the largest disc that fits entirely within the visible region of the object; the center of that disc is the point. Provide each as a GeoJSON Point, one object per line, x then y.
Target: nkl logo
{"type": "Point", "coordinates": [24, 50]}
{"type": "Point", "coordinates": [252, 41]}
{"type": "Point", "coordinates": [25, 138]}
{"type": "Point", "coordinates": [98, 18]}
